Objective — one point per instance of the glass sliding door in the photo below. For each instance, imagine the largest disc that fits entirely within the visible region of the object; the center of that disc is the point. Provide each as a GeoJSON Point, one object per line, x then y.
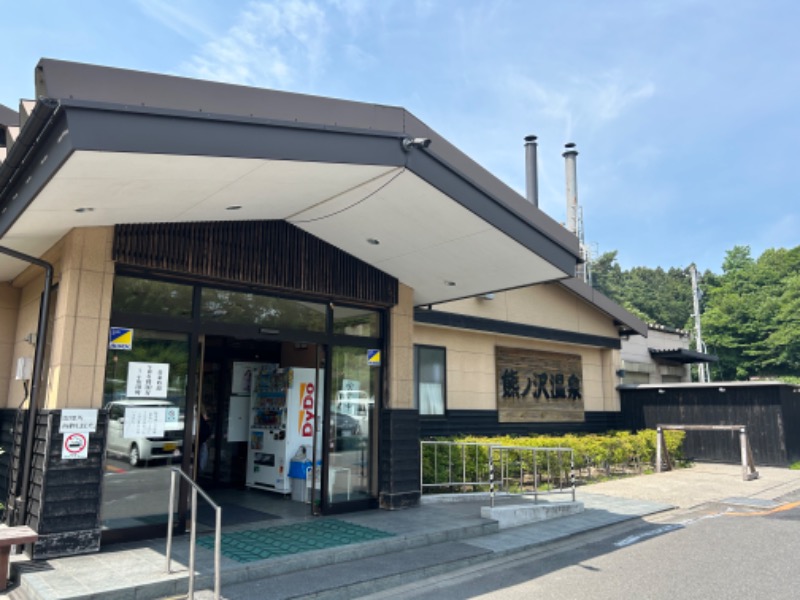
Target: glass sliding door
{"type": "Point", "coordinates": [145, 395]}
{"type": "Point", "coordinates": [352, 425]}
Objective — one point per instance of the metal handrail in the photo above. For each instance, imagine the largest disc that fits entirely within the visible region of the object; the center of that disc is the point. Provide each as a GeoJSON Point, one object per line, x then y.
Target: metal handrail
{"type": "Point", "coordinates": [481, 468]}
{"type": "Point", "coordinates": [461, 448]}
{"type": "Point", "coordinates": [193, 539]}
{"type": "Point", "coordinates": [503, 451]}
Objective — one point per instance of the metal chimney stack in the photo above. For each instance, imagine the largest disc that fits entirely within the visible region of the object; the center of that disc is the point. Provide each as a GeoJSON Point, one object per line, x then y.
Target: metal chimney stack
{"type": "Point", "coordinates": [531, 172]}
{"type": "Point", "coordinates": [572, 187]}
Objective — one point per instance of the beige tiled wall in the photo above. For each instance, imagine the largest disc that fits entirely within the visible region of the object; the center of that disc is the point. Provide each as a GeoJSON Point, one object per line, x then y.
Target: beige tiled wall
{"type": "Point", "coordinates": [82, 318]}
{"type": "Point", "coordinates": [9, 310]}
{"type": "Point", "coordinates": [471, 377]}
{"type": "Point", "coordinates": [85, 275]}
{"type": "Point", "coordinates": [401, 363]}
{"type": "Point", "coordinates": [27, 324]}
{"type": "Point", "coordinates": [545, 305]}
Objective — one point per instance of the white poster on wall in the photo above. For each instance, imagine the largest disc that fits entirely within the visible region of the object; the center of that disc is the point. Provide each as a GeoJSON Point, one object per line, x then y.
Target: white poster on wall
{"type": "Point", "coordinates": [78, 419]}
{"type": "Point", "coordinates": [144, 421]}
{"type": "Point", "coordinates": [147, 380]}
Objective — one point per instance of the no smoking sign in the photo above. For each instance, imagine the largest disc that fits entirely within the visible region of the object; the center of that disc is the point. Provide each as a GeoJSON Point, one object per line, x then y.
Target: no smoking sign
{"type": "Point", "coordinates": [76, 445]}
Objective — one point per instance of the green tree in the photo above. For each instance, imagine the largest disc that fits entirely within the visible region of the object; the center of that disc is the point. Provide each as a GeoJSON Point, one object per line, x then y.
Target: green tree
{"type": "Point", "coordinates": [751, 319]}
{"type": "Point", "coordinates": [654, 295]}
{"type": "Point", "coordinates": [607, 275]}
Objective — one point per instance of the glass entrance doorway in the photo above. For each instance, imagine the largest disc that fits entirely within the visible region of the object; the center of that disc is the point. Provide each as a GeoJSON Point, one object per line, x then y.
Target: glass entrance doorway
{"type": "Point", "coordinates": [267, 424]}
{"type": "Point", "coordinates": [257, 406]}
{"type": "Point", "coordinates": [263, 399]}
{"type": "Point", "coordinates": [352, 426]}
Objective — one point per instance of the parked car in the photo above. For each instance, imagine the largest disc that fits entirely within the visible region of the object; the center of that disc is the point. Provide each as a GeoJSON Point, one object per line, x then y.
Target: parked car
{"type": "Point", "coordinates": [345, 431]}
{"type": "Point", "coordinates": [357, 404]}
{"type": "Point", "coordinates": [139, 450]}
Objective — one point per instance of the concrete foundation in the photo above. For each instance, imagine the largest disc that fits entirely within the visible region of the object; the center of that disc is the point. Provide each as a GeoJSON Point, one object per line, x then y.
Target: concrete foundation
{"type": "Point", "coordinates": [514, 515]}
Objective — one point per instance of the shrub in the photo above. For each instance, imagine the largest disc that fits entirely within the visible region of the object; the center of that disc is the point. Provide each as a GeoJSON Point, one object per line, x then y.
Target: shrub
{"type": "Point", "coordinates": [620, 451]}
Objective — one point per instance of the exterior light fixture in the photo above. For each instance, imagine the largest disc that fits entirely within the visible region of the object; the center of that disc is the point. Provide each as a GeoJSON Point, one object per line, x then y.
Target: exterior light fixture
{"type": "Point", "coordinates": [234, 207]}
{"type": "Point", "coordinates": [722, 389]}
{"type": "Point", "coordinates": [450, 283]}
{"type": "Point", "coordinates": [373, 241]}
{"type": "Point", "coordinates": [84, 209]}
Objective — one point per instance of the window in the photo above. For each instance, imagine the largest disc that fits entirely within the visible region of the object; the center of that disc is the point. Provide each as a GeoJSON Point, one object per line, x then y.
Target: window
{"type": "Point", "coordinates": [356, 321]}
{"type": "Point", "coordinates": [256, 309]}
{"type": "Point", "coordinates": [151, 297]}
{"type": "Point", "coordinates": [133, 497]}
{"type": "Point", "coordinates": [429, 363]}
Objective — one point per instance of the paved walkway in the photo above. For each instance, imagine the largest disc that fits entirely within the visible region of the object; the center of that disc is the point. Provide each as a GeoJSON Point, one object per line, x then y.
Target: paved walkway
{"type": "Point", "coordinates": [425, 540]}
{"type": "Point", "coordinates": [702, 483]}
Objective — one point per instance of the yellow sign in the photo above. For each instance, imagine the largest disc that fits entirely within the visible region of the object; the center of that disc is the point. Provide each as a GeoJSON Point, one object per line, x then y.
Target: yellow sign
{"type": "Point", "coordinates": [120, 338]}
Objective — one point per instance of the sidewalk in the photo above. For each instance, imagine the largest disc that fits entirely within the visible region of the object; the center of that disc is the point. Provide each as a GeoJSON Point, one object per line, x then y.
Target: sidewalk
{"type": "Point", "coordinates": [427, 540]}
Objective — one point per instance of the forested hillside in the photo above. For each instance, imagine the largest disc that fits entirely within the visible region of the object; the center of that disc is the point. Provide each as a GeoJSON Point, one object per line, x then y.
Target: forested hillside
{"type": "Point", "coordinates": [750, 311]}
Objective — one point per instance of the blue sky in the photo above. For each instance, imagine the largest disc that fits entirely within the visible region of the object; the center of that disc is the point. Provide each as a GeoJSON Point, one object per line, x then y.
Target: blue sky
{"type": "Point", "coordinates": [686, 113]}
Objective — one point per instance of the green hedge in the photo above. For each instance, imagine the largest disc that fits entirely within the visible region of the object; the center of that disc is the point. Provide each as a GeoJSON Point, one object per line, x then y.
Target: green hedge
{"type": "Point", "coordinates": [617, 450]}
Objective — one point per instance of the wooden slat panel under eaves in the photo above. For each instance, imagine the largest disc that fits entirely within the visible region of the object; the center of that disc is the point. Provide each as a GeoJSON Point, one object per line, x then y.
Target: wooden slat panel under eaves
{"type": "Point", "coordinates": [273, 254]}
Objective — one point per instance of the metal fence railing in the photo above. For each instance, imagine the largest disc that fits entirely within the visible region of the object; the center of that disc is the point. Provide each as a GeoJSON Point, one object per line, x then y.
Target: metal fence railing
{"type": "Point", "coordinates": [482, 467]}
{"type": "Point", "coordinates": [174, 474]}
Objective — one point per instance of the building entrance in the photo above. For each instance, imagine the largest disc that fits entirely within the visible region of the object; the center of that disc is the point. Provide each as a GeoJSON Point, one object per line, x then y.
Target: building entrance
{"type": "Point", "coordinates": [268, 426]}
{"type": "Point", "coordinates": [261, 398]}
{"type": "Point", "coordinates": [260, 409]}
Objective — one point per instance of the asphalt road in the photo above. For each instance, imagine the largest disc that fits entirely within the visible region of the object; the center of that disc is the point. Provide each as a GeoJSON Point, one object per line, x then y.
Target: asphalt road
{"type": "Point", "coordinates": [715, 551]}
{"type": "Point", "coordinates": [131, 492]}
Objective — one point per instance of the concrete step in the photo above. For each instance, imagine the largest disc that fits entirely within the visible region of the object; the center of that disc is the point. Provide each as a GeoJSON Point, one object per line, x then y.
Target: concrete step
{"type": "Point", "coordinates": [153, 585]}
{"type": "Point", "coordinates": [351, 579]}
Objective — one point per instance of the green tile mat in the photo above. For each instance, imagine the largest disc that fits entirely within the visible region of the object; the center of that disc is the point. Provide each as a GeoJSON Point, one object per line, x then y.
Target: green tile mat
{"type": "Point", "coordinates": [270, 542]}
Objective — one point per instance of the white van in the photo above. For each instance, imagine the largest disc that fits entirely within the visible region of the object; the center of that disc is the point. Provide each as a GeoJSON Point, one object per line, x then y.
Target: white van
{"type": "Point", "coordinates": [356, 404]}
{"type": "Point", "coordinates": [140, 450]}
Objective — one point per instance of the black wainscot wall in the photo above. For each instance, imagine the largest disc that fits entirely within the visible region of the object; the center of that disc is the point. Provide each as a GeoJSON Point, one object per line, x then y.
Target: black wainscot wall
{"type": "Point", "coordinates": [65, 495]}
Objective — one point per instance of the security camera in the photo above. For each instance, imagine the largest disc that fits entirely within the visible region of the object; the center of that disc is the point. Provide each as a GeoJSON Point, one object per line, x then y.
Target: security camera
{"type": "Point", "coordinates": [419, 142]}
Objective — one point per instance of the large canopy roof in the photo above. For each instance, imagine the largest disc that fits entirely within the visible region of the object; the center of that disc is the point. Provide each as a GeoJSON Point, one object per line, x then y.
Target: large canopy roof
{"type": "Point", "coordinates": [107, 146]}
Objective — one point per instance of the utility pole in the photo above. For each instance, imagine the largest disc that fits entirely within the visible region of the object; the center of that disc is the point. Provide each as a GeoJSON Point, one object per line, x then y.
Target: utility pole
{"type": "Point", "coordinates": [703, 374]}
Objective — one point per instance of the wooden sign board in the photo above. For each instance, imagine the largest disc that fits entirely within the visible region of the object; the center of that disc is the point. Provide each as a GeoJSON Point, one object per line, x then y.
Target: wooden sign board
{"type": "Point", "coordinates": [538, 387]}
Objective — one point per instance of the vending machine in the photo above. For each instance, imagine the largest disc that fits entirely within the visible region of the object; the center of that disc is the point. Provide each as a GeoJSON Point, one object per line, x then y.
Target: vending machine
{"type": "Point", "coordinates": [283, 417]}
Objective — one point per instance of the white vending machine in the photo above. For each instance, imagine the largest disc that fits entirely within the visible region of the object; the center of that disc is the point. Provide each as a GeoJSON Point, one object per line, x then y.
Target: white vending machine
{"type": "Point", "coordinates": [283, 417]}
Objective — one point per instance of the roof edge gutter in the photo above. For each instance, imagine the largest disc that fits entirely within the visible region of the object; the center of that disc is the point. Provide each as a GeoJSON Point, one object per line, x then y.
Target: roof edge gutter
{"type": "Point", "coordinates": [35, 127]}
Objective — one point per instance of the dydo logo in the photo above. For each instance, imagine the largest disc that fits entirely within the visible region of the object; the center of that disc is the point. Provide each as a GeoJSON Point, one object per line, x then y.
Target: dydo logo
{"type": "Point", "coordinates": [306, 421]}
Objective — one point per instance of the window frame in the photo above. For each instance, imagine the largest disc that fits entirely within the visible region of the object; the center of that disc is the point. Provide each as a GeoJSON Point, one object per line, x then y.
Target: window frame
{"type": "Point", "coordinates": [417, 382]}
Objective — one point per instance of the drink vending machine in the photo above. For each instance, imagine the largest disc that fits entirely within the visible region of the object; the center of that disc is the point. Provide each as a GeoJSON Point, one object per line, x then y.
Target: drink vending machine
{"type": "Point", "coordinates": [283, 407]}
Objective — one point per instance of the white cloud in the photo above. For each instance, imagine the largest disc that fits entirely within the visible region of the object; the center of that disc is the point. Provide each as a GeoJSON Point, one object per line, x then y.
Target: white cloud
{"type": "Point", "coordinates": [589, 101]}
{"type": "Point", "coordinates": [184, 21]}
{"type": "Point", "coordinates": [351, 8]}
{"type": "Point", "coordinates": [545, 102]}
{"type": "Point", "coordinates": [613, 98]}
{"type": "Point", "coordinates": [273, 44]}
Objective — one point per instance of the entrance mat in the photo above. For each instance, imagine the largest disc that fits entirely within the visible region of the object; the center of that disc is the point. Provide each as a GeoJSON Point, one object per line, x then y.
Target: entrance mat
{"type": "Point", "coordinates": [271, 542]}
{"type": "Point", "coordinates": [232, 514]}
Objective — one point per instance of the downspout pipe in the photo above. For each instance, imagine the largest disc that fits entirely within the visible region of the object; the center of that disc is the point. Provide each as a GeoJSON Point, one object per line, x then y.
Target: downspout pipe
{"type": "Point", "coordinates": [38, 364]}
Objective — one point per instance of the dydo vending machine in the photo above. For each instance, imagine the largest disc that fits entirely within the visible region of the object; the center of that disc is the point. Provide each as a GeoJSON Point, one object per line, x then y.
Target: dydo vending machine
{"type": "Point", "coordinates": [283, 408]}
